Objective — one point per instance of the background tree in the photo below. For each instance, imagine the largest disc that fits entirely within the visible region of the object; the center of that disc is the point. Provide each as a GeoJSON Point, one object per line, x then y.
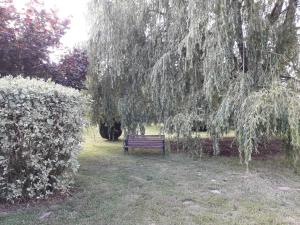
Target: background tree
{"type": "Point", "coordinates": [28, 36]}
{"type": "Point", "coordinates": [72, 69]}
{"type": "Point", "coordinates": [227, 63]}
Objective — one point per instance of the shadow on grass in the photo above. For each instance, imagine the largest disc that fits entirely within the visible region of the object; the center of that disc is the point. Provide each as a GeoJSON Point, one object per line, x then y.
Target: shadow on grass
{"type": "Point", "coordinates": [145, 153]}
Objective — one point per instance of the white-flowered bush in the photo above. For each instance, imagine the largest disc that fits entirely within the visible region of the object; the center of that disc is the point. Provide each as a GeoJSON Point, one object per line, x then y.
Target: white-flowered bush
{"type": "Point", "coordinates": [40, 134]}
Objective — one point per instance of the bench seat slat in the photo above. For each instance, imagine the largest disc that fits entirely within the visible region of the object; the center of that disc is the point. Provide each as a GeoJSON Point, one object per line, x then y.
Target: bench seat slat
{"type": "Point", "coordinates": [140, 139]}
{"type": "Point", "coordinates": [142, 136]}
{"type": "Point", "coordinates": [148, 146]}
{"type": "Point", "coordinates": [145, 146]}
{"type": "Point", "coordinates": [145, 137]}
{"type": "Point", "coordinates": [144, 142]}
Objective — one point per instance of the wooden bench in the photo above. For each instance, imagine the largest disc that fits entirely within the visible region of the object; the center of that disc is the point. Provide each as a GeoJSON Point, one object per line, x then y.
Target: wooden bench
{"type": "Point", "coordinates": [145, 141]}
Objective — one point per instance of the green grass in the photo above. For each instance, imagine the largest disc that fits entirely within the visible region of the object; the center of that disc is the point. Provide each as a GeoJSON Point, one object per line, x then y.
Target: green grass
{"type": "Point", "coordinates": [144, 188]}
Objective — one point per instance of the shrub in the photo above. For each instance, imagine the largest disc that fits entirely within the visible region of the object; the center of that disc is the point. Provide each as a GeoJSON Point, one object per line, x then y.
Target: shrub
{"type": "Point", "coordinates": [40, 133]}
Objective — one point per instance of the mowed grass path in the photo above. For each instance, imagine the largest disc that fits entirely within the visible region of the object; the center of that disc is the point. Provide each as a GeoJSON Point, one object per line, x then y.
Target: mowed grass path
{"type": "Point", "coordinates": [143, 188]}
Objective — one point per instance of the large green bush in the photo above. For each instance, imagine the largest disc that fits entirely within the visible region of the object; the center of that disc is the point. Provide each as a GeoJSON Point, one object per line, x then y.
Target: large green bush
{"type": "Point", "coordinates": [40, 133]}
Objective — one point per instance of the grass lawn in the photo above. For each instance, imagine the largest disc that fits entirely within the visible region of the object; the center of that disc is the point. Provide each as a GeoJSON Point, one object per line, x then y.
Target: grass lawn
{"type": "Point", "coordinates": [143, 188]}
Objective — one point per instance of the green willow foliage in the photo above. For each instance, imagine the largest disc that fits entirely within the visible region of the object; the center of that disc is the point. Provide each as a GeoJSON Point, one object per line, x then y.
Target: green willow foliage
{"type": "Point", "coordinates": [40, 133]}
{"type": "Point", "coordinates": [198, 60]}
{"type": "Point", "coordinates": [268, 113]}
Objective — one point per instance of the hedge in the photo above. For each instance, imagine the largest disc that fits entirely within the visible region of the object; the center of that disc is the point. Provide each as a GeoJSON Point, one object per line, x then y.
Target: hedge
{"type": "Point", "coordinates": [40, 134]}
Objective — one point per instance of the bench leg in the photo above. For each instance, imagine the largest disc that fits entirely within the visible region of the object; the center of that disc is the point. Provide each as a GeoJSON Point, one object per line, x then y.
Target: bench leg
{"type": "Point", "coordinates": [126, 146]}
{"type": "Point", "coordinates": [125, 149]}
{"type": "Point", "coordinates": [164, 151]}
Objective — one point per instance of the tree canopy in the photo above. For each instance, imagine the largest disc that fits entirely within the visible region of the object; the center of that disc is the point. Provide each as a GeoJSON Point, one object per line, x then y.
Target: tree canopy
{"type": "Point", "coordinates": [27, 38]}
{"type": "Point", "coordinates": [230, 63]}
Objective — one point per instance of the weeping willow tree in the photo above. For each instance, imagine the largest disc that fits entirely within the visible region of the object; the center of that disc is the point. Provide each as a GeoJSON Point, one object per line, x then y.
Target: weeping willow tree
{"type": "Point", "coordinates": [230, 63]}
{"type": "Point", "coordinates": [118, 62]}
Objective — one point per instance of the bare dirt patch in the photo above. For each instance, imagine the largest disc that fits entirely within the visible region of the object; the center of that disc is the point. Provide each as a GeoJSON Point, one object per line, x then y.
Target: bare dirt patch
{"type": "Point", "coordinates": [6, 207]}
{"type": "Point", "coordinates": [229, 148]}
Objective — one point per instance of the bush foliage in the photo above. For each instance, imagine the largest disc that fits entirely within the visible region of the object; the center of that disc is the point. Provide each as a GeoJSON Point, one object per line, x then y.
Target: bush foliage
{"type": "Point", "coordinates": [40, 133]}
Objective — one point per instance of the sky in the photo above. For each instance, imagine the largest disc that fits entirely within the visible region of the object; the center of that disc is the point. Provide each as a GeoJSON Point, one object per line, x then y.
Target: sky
{"type": "Point", "coordinates": [76, 10]}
